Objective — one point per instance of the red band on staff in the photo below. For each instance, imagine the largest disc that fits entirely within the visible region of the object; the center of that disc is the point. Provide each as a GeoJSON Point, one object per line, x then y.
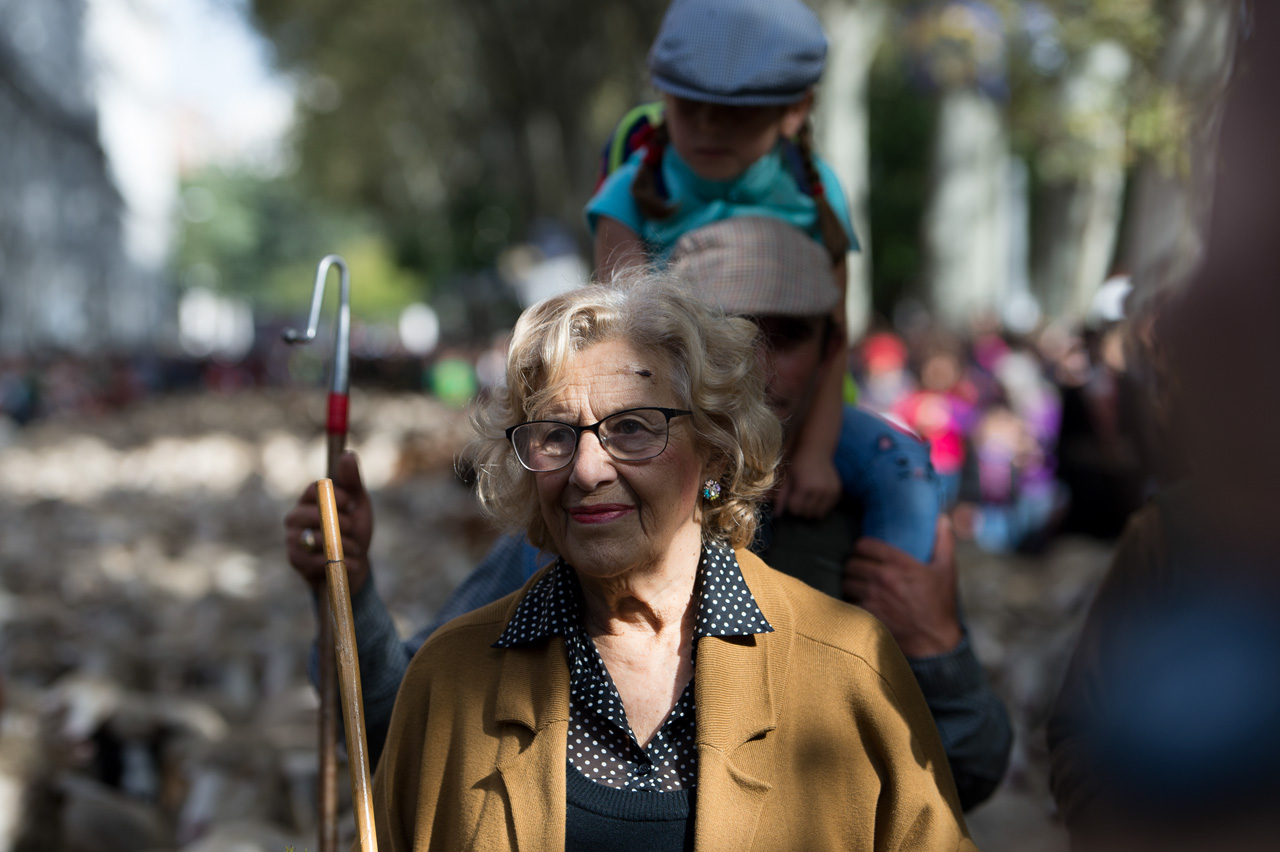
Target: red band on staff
{"type": "Point", "coordinates": [337, 424]}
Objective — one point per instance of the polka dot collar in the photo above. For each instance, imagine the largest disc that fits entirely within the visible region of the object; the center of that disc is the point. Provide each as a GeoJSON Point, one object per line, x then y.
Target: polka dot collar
{"type": "Point", "coordinates": [600, 743]}
{"type": "Point", "coordinates": [726, 606]}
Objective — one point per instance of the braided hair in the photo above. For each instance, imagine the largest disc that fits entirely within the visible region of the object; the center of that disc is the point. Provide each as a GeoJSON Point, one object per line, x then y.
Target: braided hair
{"type": "Point", "coordinates": [833, 234]}
{"type": "Point", "coordinates": [646, 186]}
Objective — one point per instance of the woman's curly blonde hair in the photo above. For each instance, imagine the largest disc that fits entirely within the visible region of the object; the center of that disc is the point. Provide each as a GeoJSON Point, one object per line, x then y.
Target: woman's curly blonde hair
{"type": "Point", "coordinates": [713, 369]}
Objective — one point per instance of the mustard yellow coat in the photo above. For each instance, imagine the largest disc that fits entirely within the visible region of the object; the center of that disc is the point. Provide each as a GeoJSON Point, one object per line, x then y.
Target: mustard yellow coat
{"type": "Point", "coordinates": [812, 737]}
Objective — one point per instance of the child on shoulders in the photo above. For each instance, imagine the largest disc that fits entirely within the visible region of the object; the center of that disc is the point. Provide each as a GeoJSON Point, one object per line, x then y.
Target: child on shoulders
{"type": "Point", "coordinates": [733, 138]}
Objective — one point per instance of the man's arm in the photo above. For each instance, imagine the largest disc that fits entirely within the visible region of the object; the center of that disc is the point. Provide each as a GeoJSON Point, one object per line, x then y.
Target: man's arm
{"type": "Point", "coordinates": [384, 658]}
{"type": "Point", "coordinates": [917, 602]}
{"type": "Point", "coordinates": [383, 662]}
{"type": "Point", "coordinates": [971, 720]}
{"type": "Point", "coordinates": [509, 563]}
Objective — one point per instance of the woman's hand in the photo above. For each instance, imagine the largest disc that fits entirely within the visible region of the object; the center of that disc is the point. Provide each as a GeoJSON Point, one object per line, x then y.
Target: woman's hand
{"type": "Point", "coordinates": [355, 521]}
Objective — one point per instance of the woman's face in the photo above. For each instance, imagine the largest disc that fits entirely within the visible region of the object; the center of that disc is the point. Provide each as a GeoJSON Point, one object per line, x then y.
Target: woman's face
{"type": "Point", "coordinates": [720, 142]}
{"type": "Point", "coordinates": [609, 517]}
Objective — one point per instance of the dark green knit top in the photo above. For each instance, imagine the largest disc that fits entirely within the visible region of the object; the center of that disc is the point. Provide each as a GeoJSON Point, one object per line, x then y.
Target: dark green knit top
{"type": "Point", "coordinates": [600, 817]}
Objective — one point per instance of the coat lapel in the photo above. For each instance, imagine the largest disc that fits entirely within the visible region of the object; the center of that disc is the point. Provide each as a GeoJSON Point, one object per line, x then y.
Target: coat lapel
{"type": "Point", "coordinates": [738, 690]}
{"type": "Point", "coordinates": [533, 701]}
{"type": "Point", "coordinates": [738, 686]}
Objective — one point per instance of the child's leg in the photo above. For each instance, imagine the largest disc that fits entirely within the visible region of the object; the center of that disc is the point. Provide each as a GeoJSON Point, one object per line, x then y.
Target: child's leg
{"type": "Point", "coordinates": [812, 485]}
{"type": "Point", "coordinates": [890, 472]}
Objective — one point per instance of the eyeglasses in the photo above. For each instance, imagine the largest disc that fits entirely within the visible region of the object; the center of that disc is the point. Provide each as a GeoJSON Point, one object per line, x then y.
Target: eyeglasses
{"type": "Point", "coordinates": [635, 434]}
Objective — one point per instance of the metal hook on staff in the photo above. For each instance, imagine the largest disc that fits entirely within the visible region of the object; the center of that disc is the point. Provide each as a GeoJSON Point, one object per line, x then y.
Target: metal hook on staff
{"type": "Point", "coordinates": [335, 598]}
{"type": "Point", "coordinates": [339, 371]}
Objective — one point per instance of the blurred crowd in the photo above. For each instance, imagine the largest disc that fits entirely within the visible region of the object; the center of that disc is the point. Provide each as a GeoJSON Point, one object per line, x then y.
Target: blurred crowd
{"type": "Point", "coordinates": [1032, 434]}
{"type": "Point", "coordinates": [62, 385]}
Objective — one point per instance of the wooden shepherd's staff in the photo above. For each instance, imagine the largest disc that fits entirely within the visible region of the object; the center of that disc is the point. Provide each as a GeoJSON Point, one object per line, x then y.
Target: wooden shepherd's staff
{"type": "Point", "coordinates": [348, 667]}
{"type": "Point", "coordinates": [335, 597]}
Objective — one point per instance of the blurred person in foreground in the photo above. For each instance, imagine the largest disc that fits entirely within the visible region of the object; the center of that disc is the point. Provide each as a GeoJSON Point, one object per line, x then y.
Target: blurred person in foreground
{"type": "Point", "coordinates": [1164, 735]}
{"type": "Point", "coordinates": [777, 277]}
{"type": "Point", "coordinates": [658, 686]}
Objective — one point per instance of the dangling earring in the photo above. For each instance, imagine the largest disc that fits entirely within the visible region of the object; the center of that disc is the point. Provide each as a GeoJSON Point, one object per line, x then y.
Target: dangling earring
{"type": "Point", "coordinates": [711, 490]}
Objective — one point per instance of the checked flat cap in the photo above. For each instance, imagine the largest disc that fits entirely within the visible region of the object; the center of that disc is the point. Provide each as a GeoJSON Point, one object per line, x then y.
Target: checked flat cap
{"type": "Point", "coordinates": [757, 266]}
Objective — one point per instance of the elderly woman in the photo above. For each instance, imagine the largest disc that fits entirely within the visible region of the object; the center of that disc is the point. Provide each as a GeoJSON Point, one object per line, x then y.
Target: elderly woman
{"type": "Point", "coordinates": [658, 687]}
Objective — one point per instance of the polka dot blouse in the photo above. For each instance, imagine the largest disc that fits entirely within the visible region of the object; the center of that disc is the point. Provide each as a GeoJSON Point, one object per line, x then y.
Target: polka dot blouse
{"type": "Point", "coordinates": [601, 744]}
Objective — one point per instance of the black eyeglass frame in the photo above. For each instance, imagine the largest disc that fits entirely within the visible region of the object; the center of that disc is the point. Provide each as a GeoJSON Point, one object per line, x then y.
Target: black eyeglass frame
{"type": "Point", "coordinates": [594, 428]}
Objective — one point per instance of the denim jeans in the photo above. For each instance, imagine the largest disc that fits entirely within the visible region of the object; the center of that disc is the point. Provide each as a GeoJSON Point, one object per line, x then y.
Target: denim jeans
{"type": "Point", "coordinates": [889, 471]}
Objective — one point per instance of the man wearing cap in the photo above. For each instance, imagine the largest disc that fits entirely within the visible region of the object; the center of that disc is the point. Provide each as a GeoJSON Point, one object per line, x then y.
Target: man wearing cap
{"type": "Point", "coordinates": [772, 273]}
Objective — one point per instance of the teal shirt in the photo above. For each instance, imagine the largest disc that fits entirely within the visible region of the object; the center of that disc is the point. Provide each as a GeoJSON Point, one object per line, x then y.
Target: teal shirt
{"type": "Point", "coordinates": [766, 188]}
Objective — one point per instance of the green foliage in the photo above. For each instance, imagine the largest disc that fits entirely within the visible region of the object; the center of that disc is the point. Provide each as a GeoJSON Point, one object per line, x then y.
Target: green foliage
{"type": "Point", "coordinates": [429, 114]}
{"type": "Point", "coordinates": [1159, 126]}
{"type": "Point", "coordinates": [1033, 66]}
{"type": "Point", "coordinates": [380, 289]}
{"type": "Point", "coordinates": [456, 123]}
{"type": "Point", "coordinates": [1063, 138]}
{"type": "Point", "coordinates": [901, 126]}
{"type": "Point", "coordinates": [1037, 50]}
{"type": "Point", "coordinates": [261, 238]}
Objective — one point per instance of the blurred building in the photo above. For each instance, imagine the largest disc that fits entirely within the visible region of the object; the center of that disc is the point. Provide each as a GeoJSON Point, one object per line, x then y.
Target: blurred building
{"type": "Point", "coordinates": [87, 176]}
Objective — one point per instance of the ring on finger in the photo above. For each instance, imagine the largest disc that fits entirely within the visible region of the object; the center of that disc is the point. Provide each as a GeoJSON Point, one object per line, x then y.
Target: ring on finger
{"type": "Point", "coordinates": [308, 540]}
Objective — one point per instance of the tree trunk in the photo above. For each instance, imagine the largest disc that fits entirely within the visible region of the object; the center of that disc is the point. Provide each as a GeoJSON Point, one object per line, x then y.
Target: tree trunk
{"type": "Point", "coordinates": [854, 33]}
{"type": "Point", "coordinates": [1084, 208]}
{"type": "Point", "coordinates": [967, 226]}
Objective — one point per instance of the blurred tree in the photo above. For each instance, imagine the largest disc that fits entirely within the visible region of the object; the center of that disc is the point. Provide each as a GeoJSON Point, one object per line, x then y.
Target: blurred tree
{"type": "Point", "coordinates": [854, 30]}
{"type": "Point", "coordinates": [902, 118]}
{"type": "Point", "coordinates": [458, 122]}
{"type": "Point", "coordinates": [260, 239]}
{"type": "Point", "coordinates": [1080, 91]}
